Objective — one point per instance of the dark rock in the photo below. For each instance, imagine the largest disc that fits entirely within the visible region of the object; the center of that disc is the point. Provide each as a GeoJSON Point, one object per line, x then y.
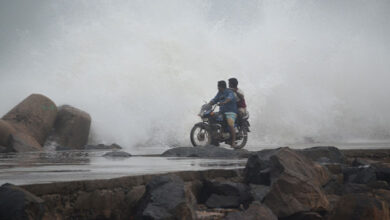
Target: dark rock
{"type": "Point", "coordinates": [166, 198]}
{"type": "Point", "coordinates": [324, 154]}
{"type": "Point", "coordinates": [222, 201]}
{"type": "Point", "coordinates": [206, 152]}
{"type": "Point", "coordinates": [17, 203]}
{"type": "Point", "coordinates": [103, 147]}
{"type": "Point", "coordinates": [134, 196]}
{"type": "Point", "coordinates": [256, 211]}
{"type": "Point", "coordinates": [360, 206]}
{"type": "Point", "coordinates": [335, 168]}
{"type": "Point", "coordinates": [304, 216]}
{"type": "Point", "coordinates": [379, 185]}
{"type": "Point", "coordinates": [323, 160]}
{"type": "Point", "coordinates": [117, 154]}
{"type": "Point", "coordinates": [258, 192]}
{"type": "Point", "coordinates": [257, 169]}
{"type": "Point", "coordinates": [225, 194]}
{"type": "Point", "coordinates": [333, 200]}
{"type": "Point", "coordinates": [295, 181]}
{"type": "Point", "coordinates": [195, 187]}
{"type": "Point", "coordinates": [71, 128]}
{"type": "Point", "coordinates": [361, 175]}
{"type": "Point", "coordinates": [351, 188]}
{"type": "Point", "coordinates": [101, 204]}
{"type": "Point", "coordinates": [357, 162]}
{"type": "Point", "coordinates": [382, 172]}
{"type": "Point", "coordinates": [383, 195]}
{"type": "Point", "coordinates": [334, 187]}
{"type": "Point", "coordinates": [255, 173]}
{"type": "Point", "coordinates": [34, 118]}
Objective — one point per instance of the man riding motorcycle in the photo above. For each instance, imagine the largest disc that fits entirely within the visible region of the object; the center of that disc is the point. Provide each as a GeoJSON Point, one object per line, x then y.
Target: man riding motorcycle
{"type": "Point", "coordinates": [228, 106]}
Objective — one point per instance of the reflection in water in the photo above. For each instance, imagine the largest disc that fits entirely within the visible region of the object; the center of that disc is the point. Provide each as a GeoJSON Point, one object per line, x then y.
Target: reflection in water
{"type": "Point", "coordinates": [43, 167]}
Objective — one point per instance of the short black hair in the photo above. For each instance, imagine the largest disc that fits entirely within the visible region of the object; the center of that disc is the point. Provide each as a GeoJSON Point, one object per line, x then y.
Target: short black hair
{"type": "Point", "coordinates": [233, 82]}
{"type": "Point", "coordinates": [222, 84]}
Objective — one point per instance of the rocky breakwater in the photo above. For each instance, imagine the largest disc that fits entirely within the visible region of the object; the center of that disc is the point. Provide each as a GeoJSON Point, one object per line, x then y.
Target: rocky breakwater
{"type": "Point", "coordinates": [276, 184]}
{"type": "Point", "coordinates": [37, 120]}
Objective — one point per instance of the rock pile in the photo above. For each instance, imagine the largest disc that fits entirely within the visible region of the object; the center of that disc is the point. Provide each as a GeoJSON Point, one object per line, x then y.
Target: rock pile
{"type": "Point", "coordinates": [275, 184]}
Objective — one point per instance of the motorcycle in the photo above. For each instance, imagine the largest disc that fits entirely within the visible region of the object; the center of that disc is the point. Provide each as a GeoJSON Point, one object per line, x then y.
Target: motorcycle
{"type": "Point", "coordinates": [214, 129]}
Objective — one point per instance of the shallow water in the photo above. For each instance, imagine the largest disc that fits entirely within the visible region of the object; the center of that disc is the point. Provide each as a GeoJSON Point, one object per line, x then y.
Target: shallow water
{"type": "Point", "coordinates": [29, 168]}
{"type": "Point", "coordinates": [52, 166]}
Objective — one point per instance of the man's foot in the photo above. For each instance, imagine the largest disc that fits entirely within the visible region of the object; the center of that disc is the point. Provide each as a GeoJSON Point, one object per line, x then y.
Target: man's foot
{"type": "Point", "coordinates": [234, 145]}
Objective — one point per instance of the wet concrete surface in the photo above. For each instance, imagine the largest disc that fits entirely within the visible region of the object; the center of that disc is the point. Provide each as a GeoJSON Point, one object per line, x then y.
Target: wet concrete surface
{"type": "Point", "coordinates": [59, 166]}
{"type": "Point", "coordinates": [46, 167]}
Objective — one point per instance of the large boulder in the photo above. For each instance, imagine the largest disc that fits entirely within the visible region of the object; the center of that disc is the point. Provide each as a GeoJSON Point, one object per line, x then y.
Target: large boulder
{"type": "Point", "coordinates": [296, 181]}
{"type": "Point", "coordinates": [166, 198]}
{"type": "Point", "coordinates": [6, 130]}
{"type": "Point", "coordinates": [256, 211]}
{"type": "Point", "coordinates": [71, 128]}
{"type": "Point", "coordinates": [33, 118]}
{"type": "Point", "coordinates": [225, 194]}
{"type": "Point", "coordinates": [17, 203]}
{"type": "Point", "coordinates": [206, 152]}
{"type": "Point", "coordinates": [360, 207]}
{"type": "Point", "coordinates": [324, 154]}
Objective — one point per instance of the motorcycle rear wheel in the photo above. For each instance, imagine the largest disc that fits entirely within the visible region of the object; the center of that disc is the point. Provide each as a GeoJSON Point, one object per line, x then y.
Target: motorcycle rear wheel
{"type": "Point", "coordinates": [200, 136]}
{"type": "Point", "coordinates": [241, 143]}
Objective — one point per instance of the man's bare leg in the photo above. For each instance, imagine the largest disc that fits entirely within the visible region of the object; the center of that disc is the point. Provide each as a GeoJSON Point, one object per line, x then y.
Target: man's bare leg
{"type": "Point", "coordinates": [232, 131]}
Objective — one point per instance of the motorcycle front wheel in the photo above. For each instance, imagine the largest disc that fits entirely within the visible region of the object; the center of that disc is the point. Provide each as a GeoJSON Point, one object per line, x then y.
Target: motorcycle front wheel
{"type": "Point", "coordinates": [200, 136]}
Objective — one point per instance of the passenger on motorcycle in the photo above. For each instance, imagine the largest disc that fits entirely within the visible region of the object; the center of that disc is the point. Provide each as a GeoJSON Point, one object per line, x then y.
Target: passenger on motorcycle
{"type": "Point", "coordinates": [241, 104]}
{"type": "Point", "coordinates": [228, 106]}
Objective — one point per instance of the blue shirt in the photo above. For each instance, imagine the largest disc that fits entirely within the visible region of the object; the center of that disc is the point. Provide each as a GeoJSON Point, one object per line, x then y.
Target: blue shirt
{"type": "Point", "coordinates": [231, 106]}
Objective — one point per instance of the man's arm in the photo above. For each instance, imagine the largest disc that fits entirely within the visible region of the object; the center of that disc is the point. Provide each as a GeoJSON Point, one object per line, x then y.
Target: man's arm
{"type": "Point", "coordinates": [229, 98]}
{"type": "Point", "coordinates": [214, 100]}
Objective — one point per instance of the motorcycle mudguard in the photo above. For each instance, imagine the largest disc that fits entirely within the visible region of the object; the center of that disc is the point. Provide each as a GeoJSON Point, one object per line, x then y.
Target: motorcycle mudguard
{"type": "Point", "coordinates": [247, 125]}
{"type": "Point", "coordinates": [202, 125]}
